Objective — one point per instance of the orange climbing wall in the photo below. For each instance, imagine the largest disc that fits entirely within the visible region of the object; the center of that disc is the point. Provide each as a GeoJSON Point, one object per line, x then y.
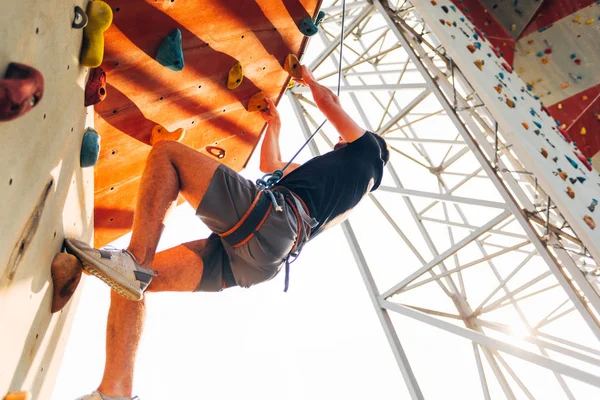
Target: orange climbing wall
{"type": "Point", "coordinates": [142, 93]}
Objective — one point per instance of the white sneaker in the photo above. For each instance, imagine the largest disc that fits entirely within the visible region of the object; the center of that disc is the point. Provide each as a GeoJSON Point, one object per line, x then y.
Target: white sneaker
{"type": "Point", "coordinates": [117, 268]}
{"type": "Point", "coordinates": [98, 396]}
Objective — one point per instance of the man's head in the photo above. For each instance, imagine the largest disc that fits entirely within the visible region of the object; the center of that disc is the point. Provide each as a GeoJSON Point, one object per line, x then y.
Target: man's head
{"type": "Point", "coordinates": [383, 147]}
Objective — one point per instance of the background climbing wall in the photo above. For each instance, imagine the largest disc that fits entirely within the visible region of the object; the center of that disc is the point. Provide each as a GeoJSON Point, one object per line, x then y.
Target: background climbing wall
{"type": "Point", "coordinates": [45, 195]}
{"type": "Point", "coordinates": [141, 92]}
{"type": "Point", "coordinates": [553, 46]}
{"type": "Point", "coordinates": [533, 133]}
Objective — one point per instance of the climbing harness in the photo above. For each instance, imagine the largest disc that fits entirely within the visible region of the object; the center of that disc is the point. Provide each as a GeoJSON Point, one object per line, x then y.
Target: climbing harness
{"type": "Point", "coordinates": [267, 185]}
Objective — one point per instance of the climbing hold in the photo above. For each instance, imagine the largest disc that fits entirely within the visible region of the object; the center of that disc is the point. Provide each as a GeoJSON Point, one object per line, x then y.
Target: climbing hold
{"type": "Point", "coordinates": [496, 52]}
{"type": "Point", "coordinates": [66, 273]}
{"type": "Point", "coordinates": [159, 133]}
{"type": "Point", "coordinates": [22, 395]}
{"type": "Point", "coordinates": [545, 61]}
{"type": "Point", "coordinates": [590, 21]}
{"type": "Point", "coordinates": [573, 56]}
{"type": "Point", "coordinates": [546, 110]}
{"type": "Point", "coordinates": [21, 89]}
{"type": "Point", "coordinates": [507, 67]}
{"type": "Point", "coordinates": [578, 61]}
{"type": "Point", "coordinates": [573, 180]}
{"type": "Point", "coordinates": [581, 179]}
{"type": "Point", "coordinates": [453, 8]}
{"type": "Point", "coordinates": [510, 103]}
{"type": "Point", "coordinates": [433, 3]}
{"type": "Point", "coordinates": [501, 75]}
{"type": "Point", "coordinates": [471, 48]}
{"type": "Point", "coordinates": [513, 27]}
{"type": "Point", "coordinates": [548, 51]}
{"type": "Point", "coordinates": [576, 20]}
{"type": "Point", "coordinates": [544, 153]}
{"type": "Point", "coordinates": [257, 102]}
{"type": "Point", "coordinates": [540, 54]}
{"type": "Point", "coordinates": [479, 64]}
{"type": "Point", "coordinates": [498, 89]}
{"type": "Point", "coordinates": [290, 84]}
{"type": "Point", "coordinates": [170, 52]}
{"type": "Point", "coordinates": [584, 161]}
{"type": "Point", "coordinates": [292, 66]}
{"type": "Point", "coordinates": [563, 175]}
{"type": "Point", "coordinates": [572, 162]}
{"type": "Point", "coordinates": [537, 124]}
{"type": "Point", "coordinates": [216, 151]}
{"type": "Point", "coordinates": [480, 33]}
{"type": "Point", "coordinates": [525, 125]}
{"type": "Point", "coordinates": [590, 222]}
{"type": "Point", "coordinates": [564, 134]}
{"type": "Point", "coordinates": [564, 85]}
{"type": "Point", "coordinates": [560, 106]}
{"type": "Point", "coordinates": [95, 89]}
{"type": "Point", "coordinates": [583, 131]}
{"type": "Point", "coordinates": [90, 148]}
{"type": "Point", "coordinates": [235, 76]}
{"type": "Point", "coordinates": [592, 206]}
{"type": "Point", "coordinates": [531, 41]}
{"type": "Point", "coordinates": [584, 98]}
{"type": "Point", "coordinates": [307, 26]}
{"type": "Point", "coordinates": [80, 19]}
{"type": "Point", "coordinates": [570, 192]}
{"type": "Point", "coordinates": [320, 17]}
{"type": "Point", "coordinates": [100, 17]}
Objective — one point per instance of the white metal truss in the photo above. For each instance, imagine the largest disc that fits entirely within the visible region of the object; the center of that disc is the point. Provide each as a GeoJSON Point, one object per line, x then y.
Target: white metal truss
{"type": "Point", "coordinates": [462, 238]}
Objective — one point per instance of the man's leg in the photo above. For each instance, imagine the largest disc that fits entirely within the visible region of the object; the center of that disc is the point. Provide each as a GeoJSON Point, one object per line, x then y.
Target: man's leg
{"type": "Point", "coordinates": [171, 168]}
{"type": "Point", "coordinates": [180, 270]}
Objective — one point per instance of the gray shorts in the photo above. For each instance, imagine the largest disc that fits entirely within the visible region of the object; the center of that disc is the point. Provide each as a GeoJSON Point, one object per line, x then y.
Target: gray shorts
{"type": "Point", "coordinates": [228, 198]}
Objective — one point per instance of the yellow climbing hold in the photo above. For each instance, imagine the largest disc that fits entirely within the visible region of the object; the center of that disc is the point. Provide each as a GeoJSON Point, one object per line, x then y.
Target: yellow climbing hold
{"type": "Point", "coordinates": [18, 396]}
{"type": "Point", "coordinates": [521, 70]}
{"type": "Point", "coordinates": [560, 106]}
{"type": "Point", "coordinates": [235, 76]}
{"type": "Point", "coordinates": [590, 21]}
{"type": "Point", "coordinates": [257, 102]}
{"type": "Point", "coordinates": [578, 19]}
{"type": "Point", "coordinates": [528, 51]}
{"type": "Point", "coordinates": [100, 17]}
{"type": "Point", "coordinates": [159, 133]}
{"type": "Point", "coordinates": [479, 64]}
{"type": "Point", "coordinates": [584, 98]}
{"type": "Point", "coordinates": [292, 66]}
{"type": "Point", "coordinates": [583, 131]}
{"type": "Point", "coordinates": [291, 84]}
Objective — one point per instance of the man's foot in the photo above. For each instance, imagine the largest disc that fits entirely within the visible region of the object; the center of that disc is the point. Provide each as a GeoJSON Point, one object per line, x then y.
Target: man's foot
{"type": "Point", "coordinates": [98, 396]}
{"type": "Point", "coordinates": [117, 268]}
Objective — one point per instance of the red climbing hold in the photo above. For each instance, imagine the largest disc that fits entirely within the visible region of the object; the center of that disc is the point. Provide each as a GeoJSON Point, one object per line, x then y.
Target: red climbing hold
{"type": "Point", "coordinates": [95, 90]}
{"type": "Point", "coordinates": [578, 61]}
{"type": "Point", "coordinates": [584, 160]}
{"type": "Point", "coordinates": [480, 33]}
{"type": "Point", "coordinates": [21, 89]}
{"type": "Point", "coordinates": [507, 67]}
{"type": "Point", "coordinates": [564, 134]}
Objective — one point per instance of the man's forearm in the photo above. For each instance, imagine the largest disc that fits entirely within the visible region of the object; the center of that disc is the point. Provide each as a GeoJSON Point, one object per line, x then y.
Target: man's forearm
{"type": "Point", "coordinates": [324, 97]}
{"type": "Point", "coordinates": [270, 152]}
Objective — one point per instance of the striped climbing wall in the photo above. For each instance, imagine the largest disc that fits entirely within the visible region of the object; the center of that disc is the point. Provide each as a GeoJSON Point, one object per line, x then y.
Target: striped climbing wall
{"type": "Point", "coordinates": [44, 194]}
{"type": "Point", "coordinates": [553, 46]}
{"type": "Point", "coordinates": [141, 93]}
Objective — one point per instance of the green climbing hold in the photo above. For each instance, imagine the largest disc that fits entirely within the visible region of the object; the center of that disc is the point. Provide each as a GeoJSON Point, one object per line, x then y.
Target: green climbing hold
{"type": "Point", "coordinates": [90, 148]}
{"type": "Point", "coordinates": [307, 27]}
{"type": "Point", "coordinates": [170, 52]}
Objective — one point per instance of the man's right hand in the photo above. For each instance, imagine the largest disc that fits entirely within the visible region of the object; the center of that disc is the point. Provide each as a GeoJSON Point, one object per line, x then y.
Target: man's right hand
{"type": "Point", "coordinates": [307, 77]}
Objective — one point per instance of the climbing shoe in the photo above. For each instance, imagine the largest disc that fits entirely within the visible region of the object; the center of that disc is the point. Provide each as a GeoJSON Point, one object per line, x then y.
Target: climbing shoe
{"type": "Point", "coordinates": [117, 268]}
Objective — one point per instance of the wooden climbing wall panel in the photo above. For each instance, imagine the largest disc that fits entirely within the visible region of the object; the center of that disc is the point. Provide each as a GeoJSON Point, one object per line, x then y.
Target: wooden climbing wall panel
{"type": "Point", "coordinates": [45, 194]}
{"type": "Point", "coordinates": [142, 93]}
{"type": "Point", "coordinates": [530, 131]}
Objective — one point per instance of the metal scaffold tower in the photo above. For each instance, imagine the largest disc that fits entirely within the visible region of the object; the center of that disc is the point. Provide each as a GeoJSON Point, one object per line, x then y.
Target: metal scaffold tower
{"type": "Point", "coordinates": [459, 237]}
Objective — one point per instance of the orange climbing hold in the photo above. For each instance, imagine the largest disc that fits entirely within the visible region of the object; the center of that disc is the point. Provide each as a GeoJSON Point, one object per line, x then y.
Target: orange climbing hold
{"type": "Point", "coordinates": [570, 192]}
{"type": "Point", "coordinates": [544, 153]}
{"type": "Point", "coordinates": [563, 175]}
{"type": "Point", "coordinates": [257, 102]}
{"type": "Point", "coordinates": [510, 103]}
{"type": "Point", "coordinates": [590, 222]}
{"type": "Point", "coordinates": [159, 133]}
{"type": "Point", "coordinates": [479, 64]}
{"type": "Point", "coordinates": [292, 66]}
{"type": "Point", "coordinates": [23, 395]}
{"type": "Point", "coordinates": [545, 61]}
{"type": "Point", "coordinates": [525, 125]}
{"type": "Point", "coordinates": [564, 85]}
{"type": "Point", "coordinates": [471, 48]}
{"type": "Point", "coordinates": [498, 89]}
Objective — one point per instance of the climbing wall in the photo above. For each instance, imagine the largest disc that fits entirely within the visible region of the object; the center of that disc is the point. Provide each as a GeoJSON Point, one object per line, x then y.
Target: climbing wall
{"type": "Point", "coordinates": [553, 46]}
{"type": "Point", "coordinates": [561, 170]}
{"type": "Point", "coordinates": [141, 93]}
{"type": "Point", "coordinates": [44, 193]}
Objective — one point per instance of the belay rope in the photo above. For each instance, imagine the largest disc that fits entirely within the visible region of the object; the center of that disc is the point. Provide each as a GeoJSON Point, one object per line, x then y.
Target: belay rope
{"type": "Point", "coordinates": [270, 180]}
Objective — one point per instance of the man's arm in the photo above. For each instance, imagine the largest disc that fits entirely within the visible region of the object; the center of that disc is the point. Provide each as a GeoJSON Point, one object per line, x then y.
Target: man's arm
{"type": "Point", "coordinates": [329, 104]}
{"type": "Point", "coordinates": [270, 154]}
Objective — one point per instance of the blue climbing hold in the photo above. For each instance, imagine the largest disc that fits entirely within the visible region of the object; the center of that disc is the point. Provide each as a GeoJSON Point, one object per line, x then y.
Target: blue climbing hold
{"type": "Point", "coordinates": [90, 148]}
{"type": "Point", "coordinates": [478, 45]}
{"type": "Point", "coordinates": [536, 97]}
{"type": "Point", "coordinates": [453, 8]}
{"type": "Point", "coordinates": [307, 26]}
{"type": "Point", "coordinates": [475, 36]}
{"type": "Point", "coordinates": [573, 56]}
{"type": "Point", "coordinates": [537, 124]}
{"type": "Point", "coordinates": [501, 75]}
{"type": "Point", "coordinates": [540, 54]}
{"type": "Point", "coordinates": [320, 17]}
{"type": "Point", "coordinates": [489, 54]}
{"type": "Point", "coordinates": [573, 163]}
{"type": "Point", "coordinates": [532, 112]}
{"type": "Point", "coordinates": [581, 179]}
{"type": "Point", "coordinates": [462, 19]}
{"type": "Point", "coordinates": [170, 52]}
{"type": "Point", "coordinates": [529, 87]}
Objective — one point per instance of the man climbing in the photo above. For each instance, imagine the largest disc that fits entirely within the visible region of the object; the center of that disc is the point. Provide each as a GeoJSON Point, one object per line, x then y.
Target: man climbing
{"type": "Point", "coordinates": [255, 231]}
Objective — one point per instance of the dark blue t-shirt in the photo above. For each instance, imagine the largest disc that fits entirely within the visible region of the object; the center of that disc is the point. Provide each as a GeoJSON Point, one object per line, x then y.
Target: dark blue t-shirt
{"type": "Point", "coordinates": [334, 183]}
